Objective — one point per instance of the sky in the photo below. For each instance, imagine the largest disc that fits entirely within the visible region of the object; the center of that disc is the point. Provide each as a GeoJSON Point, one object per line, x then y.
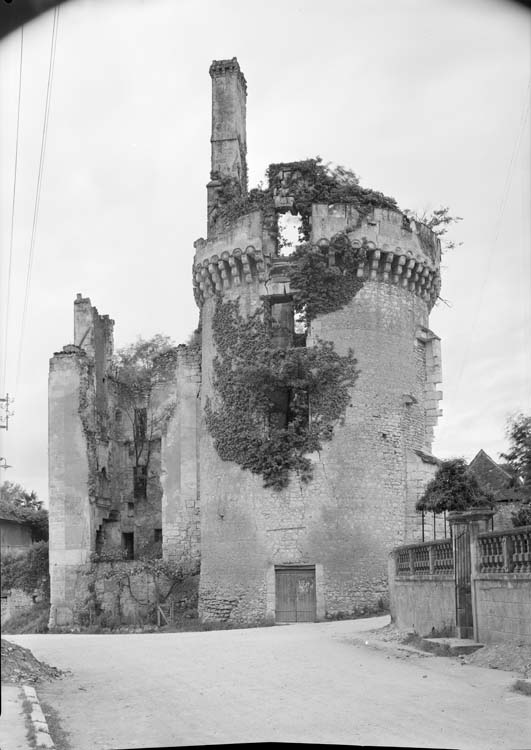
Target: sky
{"type": "Point", "coordinates": [426, 100]}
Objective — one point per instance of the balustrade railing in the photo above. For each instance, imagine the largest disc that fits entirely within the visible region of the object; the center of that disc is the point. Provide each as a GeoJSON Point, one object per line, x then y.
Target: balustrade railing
{"type": "Point", "coordinates": [428, 558]}
{"type": "Point", "coordinates": [498, 552]}
{"type": "Point", "coordinates": [505, 551]}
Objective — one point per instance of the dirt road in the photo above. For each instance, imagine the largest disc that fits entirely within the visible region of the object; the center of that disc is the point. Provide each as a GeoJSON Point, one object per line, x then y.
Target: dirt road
{"type": "Point", "coordinates": [299, 683]}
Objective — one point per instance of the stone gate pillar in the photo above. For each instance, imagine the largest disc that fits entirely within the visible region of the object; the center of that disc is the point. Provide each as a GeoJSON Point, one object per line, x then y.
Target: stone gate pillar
{"type": "Point", "coordinates": [465, 527]}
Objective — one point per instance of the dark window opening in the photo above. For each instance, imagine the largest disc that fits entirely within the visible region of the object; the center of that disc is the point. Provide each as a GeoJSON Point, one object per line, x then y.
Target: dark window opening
{"type": "Point", "coordinates": [158, 535]}
{"type": "Point", "coordinates": [140, 425]}
{"type": "Point", "coordinates": [140, 482]}
{"type": "Point", "coordinates": [118, 416]}
{"type": "Point", "coordinates": [130, 509]}
{"type": "Point", "coordinates": [289, 406]}
{"type": "Point", "coordinates": [128, 545]}
{"type": "Point", "coordinates": [99, 541]}
{"type": "Point", "coordinates": [282, 323]}
{"type": "Point", "coordinates": [279, 406]}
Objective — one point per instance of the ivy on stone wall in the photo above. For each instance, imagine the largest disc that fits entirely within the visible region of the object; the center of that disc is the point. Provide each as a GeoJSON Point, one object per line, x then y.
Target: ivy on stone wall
{"type": "Point", "coordinates": [311, 181]}
{"type": "Point", "coordinates": [250, 375]}
{"type": "Point", "coordinates": [320, 287]}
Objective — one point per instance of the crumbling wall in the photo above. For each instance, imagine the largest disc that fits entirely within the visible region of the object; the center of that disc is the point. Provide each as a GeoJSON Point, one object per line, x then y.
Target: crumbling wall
{"type": "Point", "coordinates": [111, 594]}
{"type": "Point", "coordinates": [180, 465]}
{"type": "Point", "coordinates": [70, 510]}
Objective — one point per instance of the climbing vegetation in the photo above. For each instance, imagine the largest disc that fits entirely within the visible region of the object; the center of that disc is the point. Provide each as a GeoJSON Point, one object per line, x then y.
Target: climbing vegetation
{"type": "Point", "coordinates": [320, 287]}
{"type": "Point", "coordinates": [273, 405]}
{"type": "Point", "coordinates": [311, 181]}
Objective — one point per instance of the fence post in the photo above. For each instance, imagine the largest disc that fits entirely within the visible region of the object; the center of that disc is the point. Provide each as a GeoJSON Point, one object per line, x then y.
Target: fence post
{"type": "Point", "coordinates": [473, 520]}
{"type": "Point", "coordinates": [431, 553]}
{"type": "Point", "coordinates": [411, 567]}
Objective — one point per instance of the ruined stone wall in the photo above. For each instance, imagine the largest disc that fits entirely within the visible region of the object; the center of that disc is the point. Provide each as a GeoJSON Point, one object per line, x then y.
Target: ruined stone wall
{"type": "Point", "coordinates": [180, 465]}
{"type": "Point", "coordinates": [70, 510]}
{"type": "Point", "coordinates": [129, 596]}
{"type": "Point", "coordinates": [14, 602]}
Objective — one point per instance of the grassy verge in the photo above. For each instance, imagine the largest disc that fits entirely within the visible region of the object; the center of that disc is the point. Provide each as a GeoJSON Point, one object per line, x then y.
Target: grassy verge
{"type": "Point", "coordinates": [57, 733]}
{"type": "Point", "coordinates": [30, 729]}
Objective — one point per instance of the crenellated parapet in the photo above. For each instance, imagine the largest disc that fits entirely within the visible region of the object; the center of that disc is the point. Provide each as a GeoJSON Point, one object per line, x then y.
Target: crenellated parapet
{"type": "Point", "coordinates": [223, 68]}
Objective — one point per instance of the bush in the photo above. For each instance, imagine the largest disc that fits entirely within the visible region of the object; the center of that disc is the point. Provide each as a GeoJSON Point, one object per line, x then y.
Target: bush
{"type": "Point", "coordinates": [34, 619]}
{"type": "Point", "coordinates": [28, 572]}
{"type": "Point", "coordinates": [522, 517]}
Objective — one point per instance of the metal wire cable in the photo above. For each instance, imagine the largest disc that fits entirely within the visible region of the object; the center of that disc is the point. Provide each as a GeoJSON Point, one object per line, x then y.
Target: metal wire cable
{"type": "Point", "coordinates": [501, 210]}
{"type": "Point", "coordinates": [8, 291]}
{"type": "Point", "coordinates": [38, 191]}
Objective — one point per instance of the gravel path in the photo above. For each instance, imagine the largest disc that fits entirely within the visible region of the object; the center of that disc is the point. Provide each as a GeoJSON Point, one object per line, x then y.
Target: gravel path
{"type": "Point", "coordinates": [298, 683]}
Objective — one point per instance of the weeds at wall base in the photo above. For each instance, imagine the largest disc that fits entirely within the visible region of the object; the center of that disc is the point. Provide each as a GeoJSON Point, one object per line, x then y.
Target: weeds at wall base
{"type": "Point", "coordinates": [30, 729]}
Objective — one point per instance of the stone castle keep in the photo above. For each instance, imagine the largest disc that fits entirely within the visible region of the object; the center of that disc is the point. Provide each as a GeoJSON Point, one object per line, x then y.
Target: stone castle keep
{"type": "Point", "coordinates": [287, 445]}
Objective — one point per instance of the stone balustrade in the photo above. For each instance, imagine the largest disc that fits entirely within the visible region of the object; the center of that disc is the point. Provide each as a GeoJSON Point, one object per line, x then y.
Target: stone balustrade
{"type": "Point", "coordinates": [505, 551]}
{"type": "Point", "coordinates": [427, 558]}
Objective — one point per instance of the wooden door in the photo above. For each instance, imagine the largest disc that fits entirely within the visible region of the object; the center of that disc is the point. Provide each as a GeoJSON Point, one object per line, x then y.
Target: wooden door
{"type": "Point", "coordinates": [295, 594]}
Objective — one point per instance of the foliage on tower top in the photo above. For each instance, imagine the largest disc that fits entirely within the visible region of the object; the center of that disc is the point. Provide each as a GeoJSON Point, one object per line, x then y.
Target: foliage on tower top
{"type": "Point", "coordinates": [310, 181]}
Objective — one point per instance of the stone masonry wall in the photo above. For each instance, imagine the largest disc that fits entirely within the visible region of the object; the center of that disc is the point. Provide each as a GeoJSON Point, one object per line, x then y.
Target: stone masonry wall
{"type": "Point", "coordinates": [423, 606]}
{"type": "Point", "coordinates": [503, 604]}
{"type": "Point", "coordinates": [70, 513]}
{"type": "Point", "coordinates": [15, 601]}
{"type": "Point", "coordinates": [127, 599]}
{"type": "Point", "coordinates": [353, 511]}
{"type": "Point", "coordinates": [180, 466]}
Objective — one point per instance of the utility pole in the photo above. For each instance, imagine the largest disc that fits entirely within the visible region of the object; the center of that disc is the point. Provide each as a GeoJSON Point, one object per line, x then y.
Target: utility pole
{"type": "Point", "coordinates": [4, 464]}
{"type": "Point", "coordinates": [4, 405]}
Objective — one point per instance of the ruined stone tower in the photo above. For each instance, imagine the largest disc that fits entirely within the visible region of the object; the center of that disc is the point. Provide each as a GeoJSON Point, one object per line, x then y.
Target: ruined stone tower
{"type": "Point", "coordinates": [318, 547]}
{"type": "Point", "coordinates": [288, 444]}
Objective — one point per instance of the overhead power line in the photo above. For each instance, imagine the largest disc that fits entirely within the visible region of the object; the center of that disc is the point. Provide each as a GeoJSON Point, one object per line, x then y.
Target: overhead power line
{"type": "Point", "coordinates": [497, 229]}
{"type": "Point", "coordinates": [38, 191]}
{"type": "Point", "coordinates": [8, 291]}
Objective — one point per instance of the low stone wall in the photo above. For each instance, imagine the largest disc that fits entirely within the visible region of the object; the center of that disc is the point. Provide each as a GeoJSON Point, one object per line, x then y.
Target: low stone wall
{"type": "Point", "coordinates": [421, 588]}
{"type": "Point", "coordinates": [15, 601]}
{"type": "Point", "coordinates": [503, 608]}
{"type": "Point", "coordinates": [502, 586]}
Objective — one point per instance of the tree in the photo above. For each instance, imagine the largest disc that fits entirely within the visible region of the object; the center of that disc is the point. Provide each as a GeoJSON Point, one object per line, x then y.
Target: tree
{"type": "Point", "coordinates": [453, 487]}
{"type": "Point", "coordinates": [438, 221]}
{"type": "Point", "coordinates": [25, 506]}
{"type": "Point", "coordinates": [519, 459]}
{"type": "Point", "coordinates": [519, 454]}
{"type": "Point", "coordinates": [137, 371]}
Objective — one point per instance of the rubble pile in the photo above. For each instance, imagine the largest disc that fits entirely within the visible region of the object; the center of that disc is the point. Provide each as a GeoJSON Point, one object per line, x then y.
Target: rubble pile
{"type": "Point", "coordinates": [20, 666]}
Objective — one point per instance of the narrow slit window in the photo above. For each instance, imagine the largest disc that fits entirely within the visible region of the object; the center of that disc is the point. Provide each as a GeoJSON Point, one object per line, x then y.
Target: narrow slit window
{"type": "Point", "coordinates": [140, 482]}
{"type": "Point", "coordinates": [128, 545]}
